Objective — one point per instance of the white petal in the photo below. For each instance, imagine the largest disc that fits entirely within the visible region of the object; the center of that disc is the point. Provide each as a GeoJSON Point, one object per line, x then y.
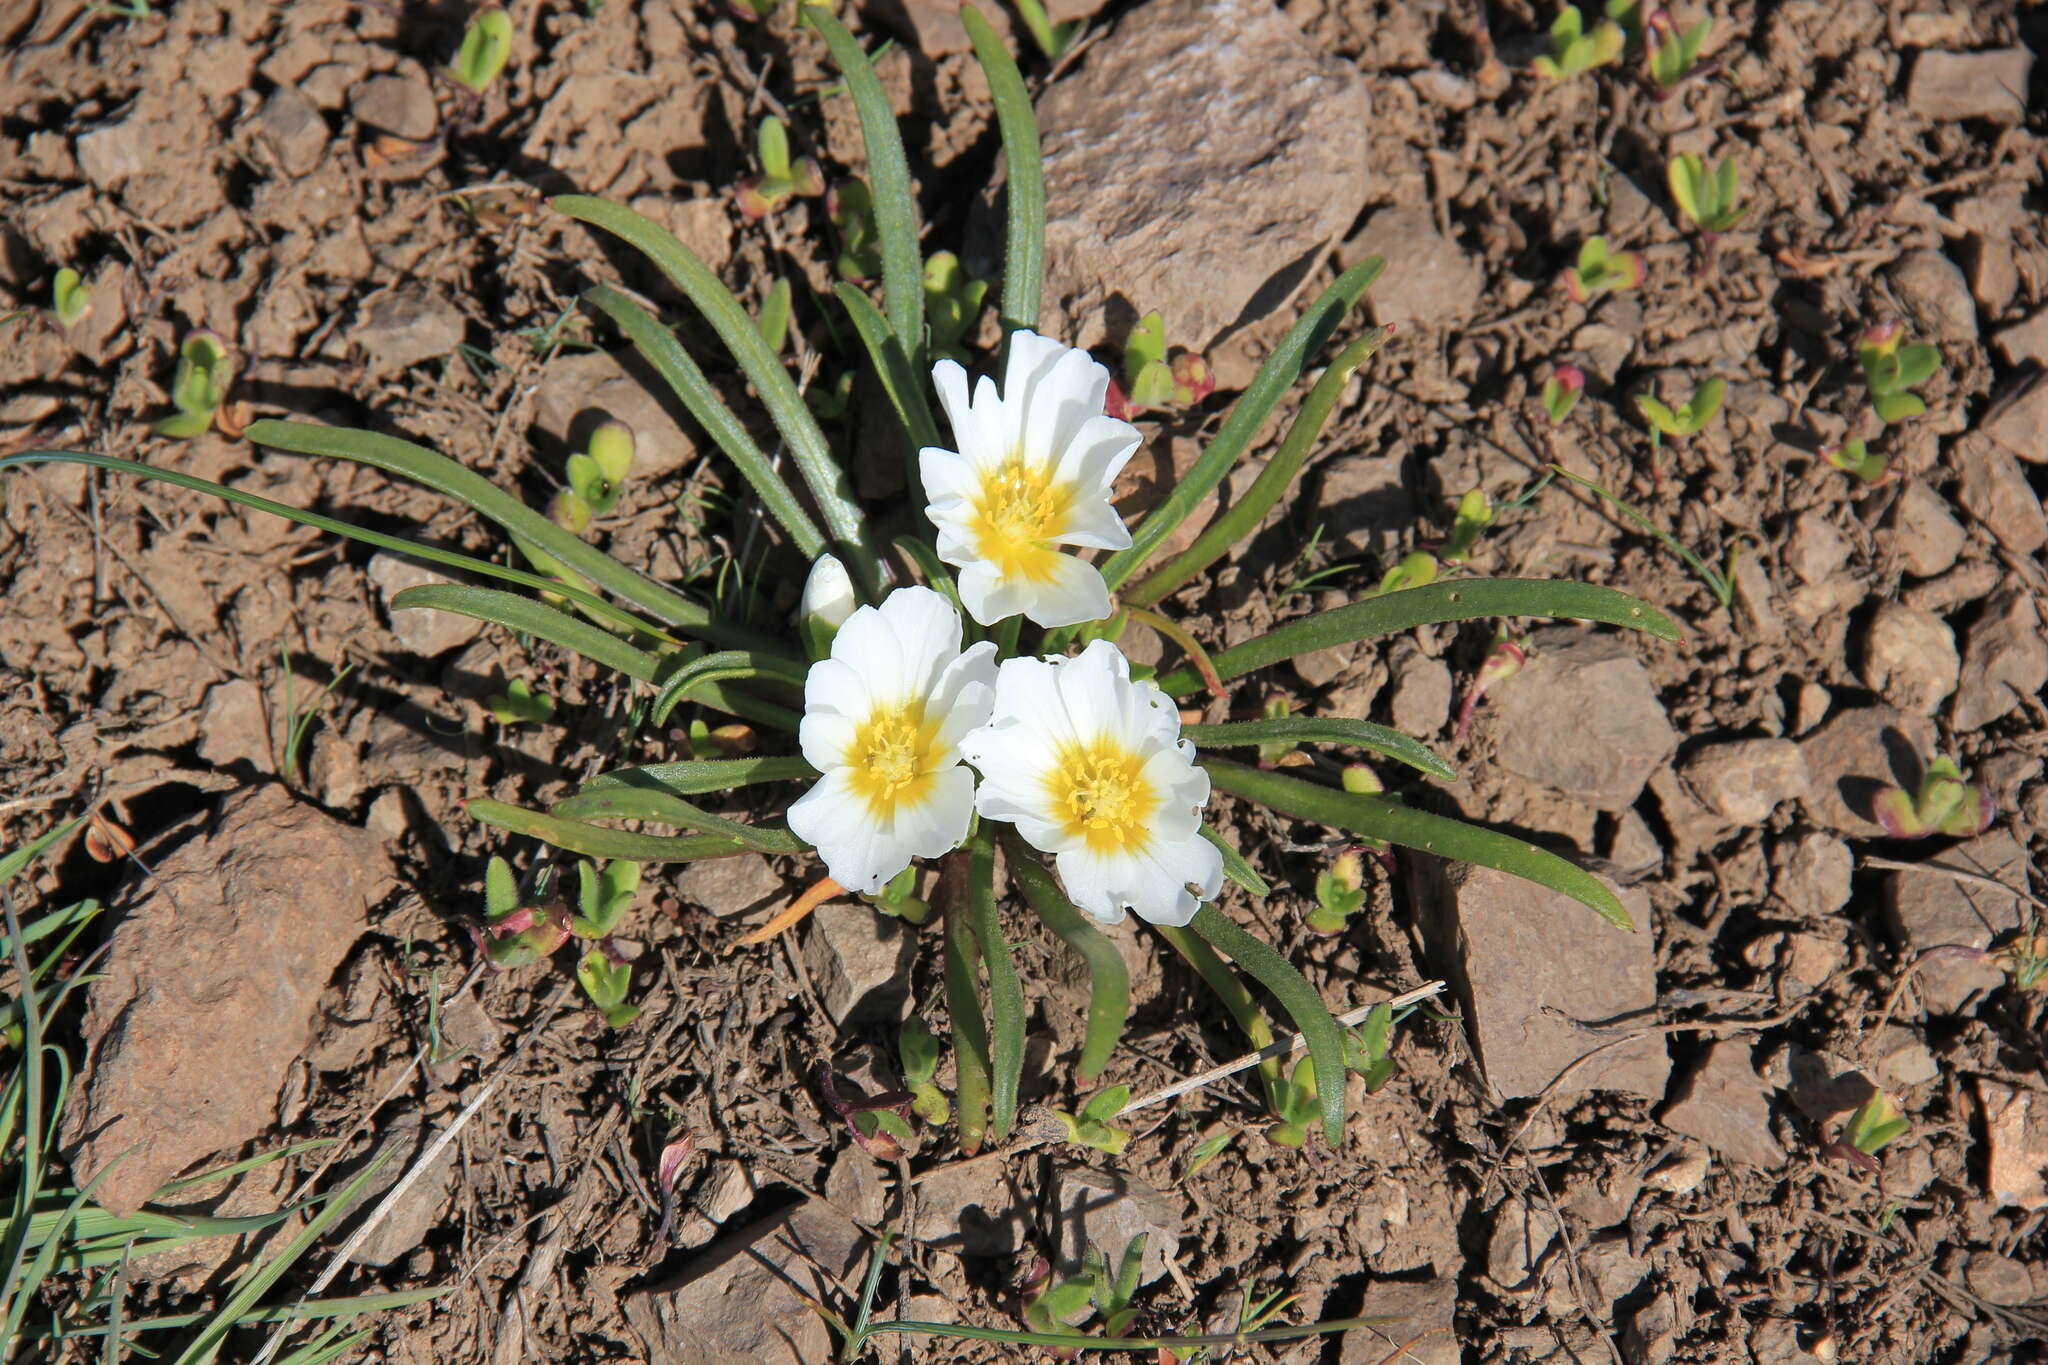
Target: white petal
{"type": "Point", "coordinates": [964, 695]}
{"type": "Point", "coordinates": [835, 686]}
{"type": "Point", "coordinates": [1094, 688]}
{"type": "Point", "coordinates": [1075, 593]}
{"type": "Point", "coordinates": [1060, 405]}
{"type": "Point", "coordinates": [1097, 453]}
{"type": "Point", "coordinates": [946, 476]}
{"type": "Point", "coordinates": [939, 823]}
{"type": "Point", "coordinates": [951, 382]}
{"type": "Point", "coordinates": [1095, 525]}
{"type": "Point", "coordinates": [982, 590]}
{"type": "Point", "coordinates": [858, 852]}
{"type": "Point", "coordinates": [825, 737]}
{"type": "Point", "coordinates": [1152, 883]}
{"type": "Point", "coordinates": [927, 631]}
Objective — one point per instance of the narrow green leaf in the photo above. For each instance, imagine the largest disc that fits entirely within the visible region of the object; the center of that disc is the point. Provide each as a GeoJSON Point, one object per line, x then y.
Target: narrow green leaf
{"type": "Point", "coordinates": [1024, 189]}
{"type": "Point", "coordinates": [1321, 730]}
{"type": "Point", "coordinates": [1312, 1018]}
{"type": "Point", "coordinates": [1236, 998]}
{"type": "Point", "coordinates": [596, 841]}
{"type": "Point", "coordinates": [640, 803]}
{"type": "Point", "coordinates": [694, 777]}
{"type": "Point", "coordinates": [1235, 867]}
{"type": "Point", "coordinates": [970, 1028]}
{"type": "Point", "coordinates": [1109, 981]}
{"type": "Point", "coordinates": [892, 366]}
{"type": "Point", "coordinates": [726, 666]}
{"type": "Point", "coordinates": [1382, 817]}
{"type": "Point", "coordinates": [1005, 991]}
{"type": "Point", "coordinates": [525, 616]}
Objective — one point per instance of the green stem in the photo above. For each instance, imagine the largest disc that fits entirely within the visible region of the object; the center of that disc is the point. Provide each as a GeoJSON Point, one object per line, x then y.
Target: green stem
{"type": "Point", "coordinates": [1311, 1016]}
{"type": "Point", "coordinates": [1005, 991]}
{"type": "Point", "coordinates": [970, 1030]}
{"type": "Point", "coordinates": [1024, 245]}
{"type": "Point", "coordinates": [1109, 981]}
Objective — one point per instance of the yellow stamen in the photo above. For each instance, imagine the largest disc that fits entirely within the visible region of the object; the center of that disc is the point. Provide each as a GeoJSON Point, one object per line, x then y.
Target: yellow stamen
{"type": "Point", "coordinates": [891, 757]}
{"type": "Point", "coordinates": [1017, 512]}
{"type": "Point", "coordinates": [1100, 794]}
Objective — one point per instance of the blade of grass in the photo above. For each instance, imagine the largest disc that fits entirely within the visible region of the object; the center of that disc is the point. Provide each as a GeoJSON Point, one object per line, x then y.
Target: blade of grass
{"type": "Point", "coordinates": [1024, 187]}
{"type": "Point", "coordinates": [1236, 999]}
{"type": "Point", "coordinates": [970, 1028]}
{"type": "Point", "coordinates": [892, 366]}
{"type": "Point", "coordinates": [727, 666]}
{"type": "Point", "coordinates": [525, 616]}
{"type": "Point", "coordinates": [598, 842]}
{"type": "Point", "coordinates": [1379, 739]}
{"type": "Point", "coordinates": [1235, 867]}
{"type": "Point", "coordinates": [1109, 981]}
{"type": "Point", "coordinates": [1005, 991]}
{"type": "Point", "coordinates": [694, 777]}
{"type": "Point", "coordinates": [633, 803]}
{"type": "Point", "coordinates": [1312, 1018]}
{"type": "Point", "coordinates": [1718, 584]}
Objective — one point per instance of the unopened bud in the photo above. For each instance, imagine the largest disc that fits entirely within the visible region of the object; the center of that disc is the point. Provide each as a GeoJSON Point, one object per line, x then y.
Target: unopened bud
{"type": "Point", "coordinates": [828, 599]}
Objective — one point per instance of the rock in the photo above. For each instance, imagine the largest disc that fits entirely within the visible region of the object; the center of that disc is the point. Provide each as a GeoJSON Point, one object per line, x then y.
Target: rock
{"type": "Point", "coordinates": [407, 326]}
{"type": "Point", "coordinates": [854, 1185]}
{"type": "Point", "coordinates": [859, 959]}
{"type": "Point", "coordinates": [743, 1302]}
{"type": "Point", "coordinates": [1815, 549]}
{"type": "Point", "coordinates": [1909, 658]}
{"type": "Point", "coordinates": [2005, 660]}
{"type": "Point", "coordinates": [1808, 960]}
{"type": "Point", "coordinates": [295, 130]}
{"type": "Point", "coordinates": [1363, 501]}
{"type": "Point", "coordinates": [1744, 780]}
{"type": "Point", "coordinates": [1927, 537]}
{"type": "Point", "coordinates": [419, 1209]}
{"type": "Point", "coordinates": [1810, 707]}
{"type": "Point", "coordinates": [1429, 278]}
{"type": "Point", "coordinates": [729, 886]}
{"type": "Point", "coordinates": [1903, 1060]}
{"type": "Point", "coordinates": [211, 989]}
{"type": "Point", "coordinates": [1723, 1104]}
{"type": "Point", "coordinates": [399, 105]}
{"type": "Point", "coordinates": [1421, 697]}
{"type": "Point", "coordinates": [114, 152]}
{"type": "Point", "coordinates": [1754, 591]}
{"type": "Point", "coordinates": [231, 725]}
{"type": "Point", "coordinates": [2024, 343]}
{"type": "Point", "coordinates": [1814, 878]}
{"type": "Point", "coordinates": [1998, 1279]}
{"type": "Point", "coordinates": [1107, 1210]}
{"type": "Point", "coordinates": [1959, 85]}
{"type": "Point", "coordinates": [1653, 1332]}
{"type": "Point", "coordinates": [1633, 846]}
{"type": "Point", "coordinates": [1526, 961]}
{"type": "Point", "coordinates": [1421, 1330]}
{"type": "Point", "coordinates": [1936, 296]}
{"type": "Point", "coordinates": [424, 631]}
{"type": "Point", "coordinates": [1682, 1172]}
{"type": "Point", "coordinates": [1857, 754]}
{"type": "Point", "coordinates": [1930, 910]}
{"type": "Point", "coordinates": [1210, 199]}
{"type": "Point", "coordinates": [1994, 490]}
{"type": "Point", "coordinates": [2019, 419]}
{"type": "Point", "coordinates": [968, 1207]}
{"type": "Point", "coordinates": [577, 392]}
{"type": "Point", "coordinates": [1516, 1245]}
{"type": "Point", "coordinates": [2016, 1145]}
{"type": "Point", "coordinates": [1582, 717]}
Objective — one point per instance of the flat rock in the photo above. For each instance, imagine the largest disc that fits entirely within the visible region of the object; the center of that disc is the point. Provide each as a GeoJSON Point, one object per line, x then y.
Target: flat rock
{"type": "Point", "coordinates": [1744, 780]}
{"type": "Point", "coordinates": [729, 886]}
{"type": "Point", "coordinates": [1422, 1331]}
{"type": "Point", "coordinates": [231, 725]}
{"type": "Point", "coordinates": [211, 989]}
{"type": "Point", "coordinates": [295, 131]}
{"type": "Point", "coordinates": [1960, 85]}
{"type": "Point", "coordinates": [424, 631]}
{"type": "Point", "coordinates": [1936, 296]}
{"type": "Point", "coordinates": [1815, 550]}
{"type": "Point", "coordinates": [1429, 277]}
{"type": "Point", "coordinates": [1582, 717]}
{"type": "Point", "coordinates": [1994, 489]}
{"type": "Point", "coordinates": [2016, 1145]}
{"type": "Point", "coordinates": [1858, 753]}
{"type": "Point", "coordinates": [742, 1302]}
{"type": "Point", "coordinates": [577, 392]}
{"type": "Point", "coordinates": [1516, 1243]}
{"type": "Point", "coordinates": [115, 152]}
{"type": "Point", "coordinates": [855, 1187]}
{"type": "Point", "coordinates": [1364, 503]}
{"type": "Point", "coordinates": [2019, 419]}
{"type": "Point", "coordinates": [1812, 878]}
{"type": "Point", "coordinates": [1107, 1210]}
{"type": "Point", "coordinates": [969, 1207]}
{"type": "Point", "coordinates": [1515, 951]}
{"type": "Point", "coordinates": [2024, 343]}
{"type": "Point", "coordinates": [859, 959]}
{"type": "Point", "coordinates": [419, 1209]}
{"type": "Point", "coordinates": [1929, 910]}
{"type": "Point", "coordinates": [1925, 532]}
{"type": "Point", "coordinates": [1421, 698]}
{"type": "Point", "coordinates": [402, 106]}
{"type": "Point", "coordinates": [1210, 199]}
{"type": "Point", "coordinates": [1909, 658]}
{"type": "Point", "coordinates": [406, 326]}
{"type": "Point", "coordinates": [2005, 660]}
{"type": "Point", "coordinates": [1724, 1104]}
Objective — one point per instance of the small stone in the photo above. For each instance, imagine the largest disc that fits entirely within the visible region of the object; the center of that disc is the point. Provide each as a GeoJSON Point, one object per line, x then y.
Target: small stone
{"type": "Point", "coordinates": [1633, 847]}
{"type": "Point", "coordinates": [1723, 1104]}
{"type": "Point", "coordinates": [1814, 878]}
{"type": "Point", "coordinates": [1815, 549]}
{"type": "Point", "coordinates": [1808, 960]}
{"type": "Point", "coordinates": [1811, 706]}
{"type": "Point", "coordinates": [399, 105]}
{"type": "Point", "coordinates": [1961, 85]}
{"type": "Point", "coordinates": [388, 818]}
{"type": "Point", "coordinates": [2024, 343]}
{"type": "Point", "coordinates": [1903, 1060]}
{"type": "Point", "coordinates": [424, 631]}
{"type": "Point", "coordinates": [1682, 1172]}
{"type": "Point", "coordinates": [968, 1207]}
{"type": "Point", "coordinates": [1583, 718]}
{"type": "Point", "coordinates": [1753, 592]}
{"type": "Point", "coordinates": [1930, 910]}
{"type": "Point", "coordinates": [1520, 1237]}
{"type": "Point", "coordinates": [855, 1187]}
{"type": "Point", "coordinates": [1104, 1209]}
{"type": "Point", "coordinates": [747, 1301]}
{"type": "Point", "coordinates": [577, 392]}
{"type": "Point", "coordinates": [115, 152]}
{"type": "Point", "coordinates": [1936, 296]}
{"type": "Point", "coordinates": [1857, 754]}
{"type": "Point", "coordinates": [418, 1211]}
{"type": "Point", "coordinates": [1421, 697]}
{"type": "Point", "coordinates": [2019, 419]}
{"type": "Point", "coordinates": [1364, 501]}
{"type": "Point", "coordinates": [407, 326]}
{"type": "Point", "coordinates": [1526, 962]}
{"type": "Point", "coordinates": [729, 886]}
{"type": "Point", "coordinates": [1612, 1269]}
{"type": "Point", "coordinates": [1994, 490]}
{"type": "Point", "coordinates": [1429, 278]}
{"type": "Point", "coordinates": [1909, 658]}
{"type": "Point", "coordinates": [2016, 1142]}
{"type": "Point", "coordinates": [1998, 1279]}
{"type": "Point", "coordinates": [1420, 1326]}
{"type": "Point", "coordinates": [1653, 1332]}
{"type": "Point", "coordinates": [1927, 537]}
{"type": "Point", "coordinates": [296, 132]}
{"type": "Point", "coordinates": [1446, 88]}
{"type": "Point", "coordinates": [1744, 780]}
{"type": "Point", "coordinates": [859, 958]}
{"type": "Point", "coordinates": [1606, 348]}
{"type": "Point", "coordinates": [231, 725]}
{"type": "Point", "coordinates": [2005, 660]}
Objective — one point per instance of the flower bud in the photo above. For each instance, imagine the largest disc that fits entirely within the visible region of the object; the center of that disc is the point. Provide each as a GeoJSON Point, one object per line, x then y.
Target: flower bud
{"type": "Point", "coordinates": [828, 600]}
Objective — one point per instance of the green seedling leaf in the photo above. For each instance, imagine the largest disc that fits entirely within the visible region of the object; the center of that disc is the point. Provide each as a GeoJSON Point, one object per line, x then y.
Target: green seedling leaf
{"type": "Point", "coordinates": [917, 1049]}
{"type": "Point", "coordinates": [1875, 1125]}
{"type": "Point", "coordinates": [952, 303]}
{"type": "Point", "coordinates": [1561, 392]}
{"type": "Point", "coordinates": [1690, 417]}
{"type": "Point", "coordinates": [597, 474]}
{"type": "Point", "coordinates": [70, 298]}
{"type": "Point", "coordinates": [519, 704]}
{"type": "Point", "coordinates": [1855, 457]}
{"type": "Point", "coordinates": [1573, 50]}
{"type": "Point", "coordinates": [1092, 1127]}
{"type": "Point", "coordinates": [1891, 369]}
{"type": "Point", "coordinates": [780, 179]}
{"type": "Point", "coordinates": [852, 211]}
{"type": "Point", "coordinates": [606, 982]}
{"type": "Point", "coordinates": [1340, 894]}
{"type": "Point", "coordinates": [774, 319]}
{"type": "Point", "coordinates": [603, 898]}
{"type": "Point", "coordinates": [1207, 1150]}
{"type": "Point", "coordinates": [899, 897]}
{"type": "Point", "coordinates": [1710, 198]}
{"type": "Point", "coordinates": [568, 510]}
{"type": "Point", "coordinates": [1943, 804]}
{"type": "Point", "coordinates": [199, 386]}
{"type": "Point", "coordinates": [1053, 39]}
{"type": "Point", "coordinates": [501, 890]}
{"type": "Point", "coordinates": [1672, 56]}
{"type": "Point", "coordinates": [486, 47]}
{"type": "Point", "coordinates": [1415, 570]}
{"type": "Point", "coordinates": [1475, 514]}
{"type": "Point", "coordinates": [1024, 220]}
{"type": "Point", "coordinates": [1598, 271]}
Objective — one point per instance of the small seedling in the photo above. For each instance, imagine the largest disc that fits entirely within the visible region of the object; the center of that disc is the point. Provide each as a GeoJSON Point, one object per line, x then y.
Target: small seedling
{"type": "Point", "coordinates": [1562, 391]}
{"type": "Point", "coordinates": [1672, 56]}
{"type": "Point", "coordinates": [603, 897]}
{"type": "Point", "coordinates": [1064, 1304]}
{"type": "Point", "coordinates": [1600, 271]}
{"type": "Point", "coordinates": [1475, 513]}
{"type": "Point", "coordinates": [199, 386]}
{"type": "Point", "coordinates": [1277, 753]}
{"type": "Point", "coordinates": [70, 298]}
{"type": "Point", "coordinates": [1368, 1048]}
{"type": "Point", "coordinates": [1150, 380]}
{"type": "Point", "coordinates": [1573, 50]}
{"type": "Point", "coordinates": [519, 704]}
{"type": "Point", "coordinates": [1502, 662]}
{"type": "Point", "coordinates": [597, 477]}
{"type": "Point", "coordinates": [1710, 199]}
{"type": "Point", "coordinates": [1340, 893]}
{"type": "Point", "coordinates": [2025, 959]}
{"type": "Point", "coordinates": [732, 740]}
{"type": "Point", "coordinates": [899, 897]}
{"type": "Point", "coordinates": [606, 978]}
{"type": "Point", "coordinates": [952, 302]}
{"type": "Point", "coordinates": [1296, 1106]}
{"type": "Point", "coordinates": [516, 933]}
{"type": "Point", "coordinates": [1415, 570]}
{"type": "Point", "coordinates": [851, 207]}
{"type": "Point", "coordinates": [486, 47]}
{"type": "Point", "coordinates": [1207, 1150]}
{"type": "Point", "coordinates": [1092, 1127]}
{"type": "Point", "coordinates": [1944, 804]}
{"type": "Point", "coordinates": [878, 1124]}
{"type": "Point", "coordinates": [1688, 418]}
{"type": "Point", "coordinates": [918, 1051]}
{"type": "Point", "coordinates": [773, 324]}
{"type": "Point", "coordinates": [1873, 1127]}
{"type": "Point", "coordinates": [780, 178]}
{"type": "Point", "coordinates": [1854, 456]}
{"type": "Point", "coordinates": [1892, 369]}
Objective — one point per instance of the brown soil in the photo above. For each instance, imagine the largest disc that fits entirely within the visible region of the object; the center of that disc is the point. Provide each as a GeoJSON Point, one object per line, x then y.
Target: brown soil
{"type": "Point", "coordinates": [135, 610]}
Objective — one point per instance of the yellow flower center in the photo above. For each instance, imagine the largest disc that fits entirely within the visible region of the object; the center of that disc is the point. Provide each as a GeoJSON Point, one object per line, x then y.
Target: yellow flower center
{"type": "Point", "coordinates": [1017, 511]}
{"type": "Point", "coordinates": [1100, 795]}
{"type": "Point", "coordinates": [891, 757]}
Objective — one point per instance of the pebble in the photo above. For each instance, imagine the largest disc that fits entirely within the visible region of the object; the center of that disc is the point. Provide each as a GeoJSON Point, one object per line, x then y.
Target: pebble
{"type": "Point", "coordinates": [1994, 489]}
{"type": "Point", "coordinates": [729, 886]}
{"type": "Point", "coordinates": [1998, 1279]}
{"type": "Point", "coordinates": [1364, 503]}
{"type": "Point", "coordinates": [406, 326]}
{"type": "Point", "coordinates": [1429, 278]}
{"type": "Point", "coordinates": [1583, 718]}
{"type": "Point", "coordinates": [1971, 85]}
{"type": "Point", "coordinates": [1928, 910]}
{"type": "Point", "coordinates": [2018, 420]}
{"type": "Point", "coordinates": [1814, 878]}
{"type": "Point", "coordinates": [2016, 1145]}
{"type": "Point", "coordinates": [402, 106]}
{"type": "Point", "coordinates": [968, 1207]}
{"type": "Point", "coordinates": [1936, 296]}
{"type": "Point", "coordinates": [1744, 780]}
{"type": "Point", "coordinates": [1815, 549]}
{"type": "Point", "coordinates": [2005, 660]}
{"type": "Point", "coordinates": [1909, 658]}
{"type": "Point", "coordinates": [1724, 1104]}
{"type": "Point", "coordinates": [1421, 699]}
{"type": "Point", "coordinates": [231, 725]}
{"type": "Point", "coordinates": [1108, 1210]}
{"type": "Point", "coordinates": [2024, 343]}
{"type": "Point", "coordinates": [295, 130]}
{"type": "Point", "coordinates": [1420, 1326]}
{"type": "Point", "coordinates": [577, 392]}
{"type": "Point", "coordinates": [1516, 1245]}
{"type": "Point", "coordinates": [1857, 753]}
{"type": "Point", "coordinates": [1925, 532]}
{"type": "Point", "coordinates": [424, 631]}
{"type": "Point", "coordinates": [859, 960]}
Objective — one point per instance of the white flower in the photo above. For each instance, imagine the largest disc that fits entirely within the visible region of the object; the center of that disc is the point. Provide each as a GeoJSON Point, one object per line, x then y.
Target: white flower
{"type": "Point", "coordinates": [827, 601]}
{"type": "Point", "coordinates": [1033, 473]}
{"type": "Point", "coordinates": [1089, 766]}
{"type": "Point", "coordinates": [883, 721]}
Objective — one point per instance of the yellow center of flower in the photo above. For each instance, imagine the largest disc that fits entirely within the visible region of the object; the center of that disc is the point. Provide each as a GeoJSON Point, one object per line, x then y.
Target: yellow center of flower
{"type": "Point", "coordinates": [1100, 795]}
{"type": "Point", "coordinates": [1016, 512]}
{"type": "Point", "coordinates": [891, 757]}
